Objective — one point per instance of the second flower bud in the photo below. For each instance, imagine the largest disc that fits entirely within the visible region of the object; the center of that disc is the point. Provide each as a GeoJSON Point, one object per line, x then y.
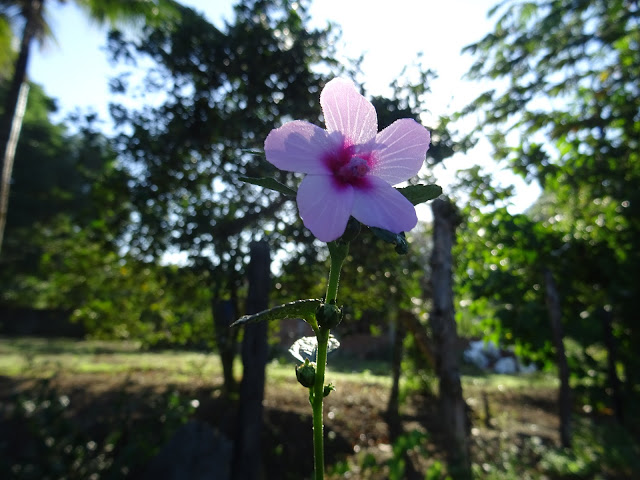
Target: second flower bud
{"type": "Point", "coordinates": [328, 315]}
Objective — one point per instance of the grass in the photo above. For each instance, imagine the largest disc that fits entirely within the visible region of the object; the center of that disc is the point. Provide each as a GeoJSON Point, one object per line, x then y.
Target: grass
{"type": "Point", "coordinates": [41, 357]}
{"type": "Point", "coordinates": [38, 357]}
{"type": "Point", "coordinates": [510, 382]}
{"type": "Point", "coordinates": [508, 449]}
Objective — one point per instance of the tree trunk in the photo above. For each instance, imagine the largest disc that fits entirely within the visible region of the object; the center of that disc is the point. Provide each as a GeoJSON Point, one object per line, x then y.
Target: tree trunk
{"type": "Point", "coordinates": [15, 104]}
{"type": "Point", "coordinates": [247, 455]}
{"type": "Point", "coordinates": [224, 314]}
{"type": "Point", "coordinates": [417, 330]}
{"type": "Point", "coordinates": [555, 318]}
{"type": "Point", "coordinates": [393, 414]}
{"type": "Point", "coordinates": [452, 405]}
{"type": "Point", "coordinates": [612, 359]}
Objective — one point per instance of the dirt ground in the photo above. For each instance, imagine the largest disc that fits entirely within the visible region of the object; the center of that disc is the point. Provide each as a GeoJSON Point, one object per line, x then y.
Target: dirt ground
{"type": "Point", "coordinates": [357, 427]}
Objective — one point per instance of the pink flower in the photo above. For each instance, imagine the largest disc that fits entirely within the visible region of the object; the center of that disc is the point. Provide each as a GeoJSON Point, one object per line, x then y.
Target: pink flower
{"type": "Point", "coordinates": [350, 167]}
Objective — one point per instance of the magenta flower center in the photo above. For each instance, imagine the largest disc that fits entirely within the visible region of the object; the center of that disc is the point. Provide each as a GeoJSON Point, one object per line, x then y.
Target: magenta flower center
{"type": "Point", "coordinates": [349, 168]}
{"type": "Point", "coordinates": [353, 170]}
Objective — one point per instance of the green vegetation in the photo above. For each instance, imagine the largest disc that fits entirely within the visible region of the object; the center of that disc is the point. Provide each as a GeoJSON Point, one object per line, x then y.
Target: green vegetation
{"type": "Point", "coordinates": [165, 384]}
{"type": "Point", "coordinates": [46, 441]}
{"type": "Point", "coordinates": [95, 222]}
{"type": "Point", "coordinates": [43, 358]}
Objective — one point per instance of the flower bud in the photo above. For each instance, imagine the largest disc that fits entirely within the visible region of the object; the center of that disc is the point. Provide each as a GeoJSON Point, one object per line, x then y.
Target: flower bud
{"type": "Point", "coordinates": [328, 389]}
{"type": "Point", "coordinates": [306, 374]}
{"type": "Point", "coordinates": [402, 247]}
{"type": "Point", "coordinates": [328, 315]}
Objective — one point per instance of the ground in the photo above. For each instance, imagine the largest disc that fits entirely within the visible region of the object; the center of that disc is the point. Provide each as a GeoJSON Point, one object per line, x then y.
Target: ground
{"type": "Point", "coordinates": [108, 419]}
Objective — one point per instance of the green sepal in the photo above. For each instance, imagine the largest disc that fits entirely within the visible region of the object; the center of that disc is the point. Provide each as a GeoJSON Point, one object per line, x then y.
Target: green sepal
{"type": "Point", "coordinates": [418, 194]}
{"type": "Point", "coordinates": [270, 183]}
{"type": "Point", "coordinates": [397, 239]}
{"type": "Point", "coordinates": [304, 309]}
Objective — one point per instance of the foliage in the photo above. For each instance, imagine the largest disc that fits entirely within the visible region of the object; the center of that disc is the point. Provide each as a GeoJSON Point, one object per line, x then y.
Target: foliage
{"type": "Point", "coordinates": [601, 450]}
{"type": "Point", "coordinates": [6, 53]}
{"type": "Point", "coordinates": [29, 17]}
{"type": "Point", "coordinates": [57, 448]}
{"type": "Point", "coordinates": [600, 447]}
{"type": "Point", "coordinates": [564, 113]}
{"type": "Point", "coordinates": [116, 297]}
{"type": "Point", "coordinates": [130, 414]}
{"type": "Point", "coordinates": [69, 208]}
{"type": "Point", "coordinates": [395, 467]}
{"type": "Point", "coordinates": [62, 182]}
{"type": "Point", "coordinates": [500, 276]}
{"type": "Point", "coordinates": [224, 90]}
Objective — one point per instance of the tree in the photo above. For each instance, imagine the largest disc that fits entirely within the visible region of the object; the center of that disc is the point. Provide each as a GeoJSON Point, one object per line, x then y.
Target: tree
{"type": "Point", "coordinates": [63, 252]}
{"type": "Point", "coordinates": [567, 117]}
{"type": "Point", "coordinates": [64, 181]}
{"type": "Point", "coordinates": [6, 52]}
{"type": "Point", "coordinates": [223, 90]}
{"type": "Point", "coordinates": [32, 14]}
{"type": "Point", "coordinates": [254, 360]}
{"type": "Point", "coordinates": [555, 317]}
{"type": "Point", "coordinates": [452, 404]}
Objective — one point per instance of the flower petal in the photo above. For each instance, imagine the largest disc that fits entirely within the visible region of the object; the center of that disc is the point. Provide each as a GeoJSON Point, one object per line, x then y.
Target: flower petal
{"type": "Point", "coordinates": [380, 205]}
{"type": "Point", "coordinates": [324, 206]}
{"type": "Point", "coordinates": [299, 146]}
{"type": "Point", "coordinates": [348, 112]}
{"type": "Point", "coordinates": [401, 150]}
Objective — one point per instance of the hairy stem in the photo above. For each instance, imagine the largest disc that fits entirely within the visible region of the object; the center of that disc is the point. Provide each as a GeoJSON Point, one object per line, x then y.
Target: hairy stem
{"type": "Point", "coordinates": [317, 397]}
{"type": "Point", "coordinates": [338, 252]}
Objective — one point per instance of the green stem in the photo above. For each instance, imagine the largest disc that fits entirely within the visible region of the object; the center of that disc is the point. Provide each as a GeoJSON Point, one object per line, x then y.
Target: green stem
{"type": "Point", "coordinates": [317, 404]}
{"type": "Point", "coordinates": [338, 252]}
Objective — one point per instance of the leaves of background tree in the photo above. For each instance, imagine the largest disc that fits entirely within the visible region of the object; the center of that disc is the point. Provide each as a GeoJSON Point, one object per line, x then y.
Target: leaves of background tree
{"type": "Point", "coordinates": [566, 116]}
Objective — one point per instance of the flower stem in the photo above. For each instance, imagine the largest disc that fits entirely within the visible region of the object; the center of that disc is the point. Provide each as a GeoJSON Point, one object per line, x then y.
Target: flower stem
{"type": "Point", "coordinates": [317, 397]}
{"type": "Point", "coordinates": [338, 252]}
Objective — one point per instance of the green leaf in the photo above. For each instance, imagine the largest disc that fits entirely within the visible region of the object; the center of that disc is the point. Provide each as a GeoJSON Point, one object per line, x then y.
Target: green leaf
{"type": "Point", "coordinates": [304, 309]}
{"type": "Point", "coordinates": [417, 194]}
{"type": "Point", "coordinates": [270, 183]}
{"type": "Point", "coordinates": [257, 153]}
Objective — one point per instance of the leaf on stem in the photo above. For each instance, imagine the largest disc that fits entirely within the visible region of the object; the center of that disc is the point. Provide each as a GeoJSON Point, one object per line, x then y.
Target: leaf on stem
{"type": "Point", "coordinates": [257, 153]}
{"type": "Point", "coordinates": [305, 348]}
{"type": "Point", "coordinates": [304, 309]}
{"type": "Point", "coordinates": [417, 194]}
{"type": "Point", "coordinates": [270, 183]}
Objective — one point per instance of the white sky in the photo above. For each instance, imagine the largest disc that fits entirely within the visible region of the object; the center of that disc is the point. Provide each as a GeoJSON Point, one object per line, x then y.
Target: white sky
{"type": "Point", "coordinates": [75, 70]}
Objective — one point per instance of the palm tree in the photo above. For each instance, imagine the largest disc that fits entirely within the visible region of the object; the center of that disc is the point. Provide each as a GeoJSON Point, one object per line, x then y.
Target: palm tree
{"type": "Point", "coordinates": [6, 53]}
{"type": "Point", "coordinates": [31, 14]}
